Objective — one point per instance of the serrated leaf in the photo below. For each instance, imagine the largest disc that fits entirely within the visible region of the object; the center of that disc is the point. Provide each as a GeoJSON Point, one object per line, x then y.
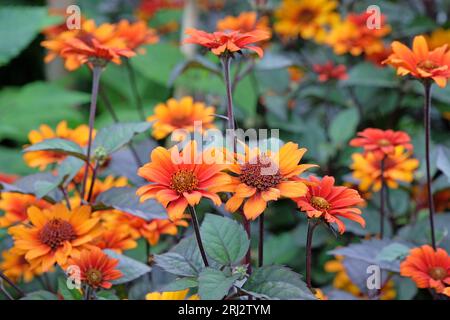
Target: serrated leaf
{"type": "Point", "coordinates": [224, 239]}
{"type": "Point", "coordinates": [114, 137]}
{"type": "Point", "coordinates": [131, 269]}
{"type": "Point", "coordinates": [58, 145]}
{"type": "Point", "coordinates": [214, 284]}
{"type": "Point", "coordinates": [181, 284]}
{"type": "Point", "coordinates": [176, 263]}
{"type": "Point", "coordinates": [277, 282]}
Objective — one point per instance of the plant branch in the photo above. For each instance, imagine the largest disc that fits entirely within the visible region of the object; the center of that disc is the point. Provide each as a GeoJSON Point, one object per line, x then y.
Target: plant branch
{"type": "Point", "coordinates": [197, 235]}
{"type": "Point", "coordinates": [309, 238]}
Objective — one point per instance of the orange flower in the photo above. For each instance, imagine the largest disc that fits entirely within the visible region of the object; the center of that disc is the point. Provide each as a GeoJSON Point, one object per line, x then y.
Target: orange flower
{"type": "Point", "coordinates": [397, 167]}
{"type": "Point", "coordinates": [262, 177]}
{"type": "Point", "coordinates": [15, 206]}
{"type": "Point", "coordinates": [157, 227]}
{"type": "Point", "coordinates": [438, 38]}
{"type": "Point", "coordinates": [180, 114]}
{"type": "Point", "coordinates": [428, 268]}
{"type": "Point", "coordinates": [136, 34]}
{"type": "Point", "coordinates": [245, 22]}
{"type": "Point", "coordinates": [325, 200]}
{"type": "Point", "coordinates": [42, 159]}
{"type": "Point", "coordinates": [171, 295]}
{"type": "Point", "coordinates": [420, 62]}
{"type": "Point", "coordinates": [177, 184]}
{"type": "Point", "coordinates": [381, 142]}
{"type": "Point", "coordinates": [378, 57]}
{"type": "Point", "coordinates": [329, 71]}
{"type": "Point", "coordinates": [441, 198]}
{"type": "Point", "coordinates": [101, 186]}
{"type": "Point", "coordinates": [55, 234]}
{"type": "Point", "coordinates": [115, 219]}
{"type": "Point", "coordinates": [7, 178]}
{"type": "Point", "coordinates": [118, 239]}
{"type": "Point", "coordinates": [16, 267]}
{"type": "Point", "coordinates": [97, 269]}
{"type": "Point", "coordinates": [353, 35]}
{"type": "Point", "coordinates": [222, 43]}
{"type": "Point", "coordinates": [296, 74]}
{"type": "Point", "coordinates": [148, 8]}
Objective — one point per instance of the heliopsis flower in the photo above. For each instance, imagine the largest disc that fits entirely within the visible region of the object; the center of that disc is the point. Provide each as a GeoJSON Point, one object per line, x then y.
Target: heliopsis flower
{"type": "Point", "coordinates": [329, 71]}
{"type": "Point", "coordinates": [378, 57]}
{"type": "Point", "coordinates": [438, 38]}
{"type": "Point", "coordinates": [260, 177]}
{"type": "Point", "coordinates": [305, 18]}
{"type": "Point", "coordinates": [171, 295]}
{"type": "Point", "coordinates": [136, 34]}
{"type": "Point", "coordinates": [118, 239]}
{"type": "Point", "coordinates": [180, 114]}
{"type": "Point", "coordinates": [153, 230]}
{"type": "Point", "coordinates": [245, 22]}
{"type": "Point", "coordinates": [97, 269]}
{"type": "Point", "coordinates": [326, 201]}
{"type": "Point", "coordinates": [16, 267]}
{"type": "Point", "coordinates": [353, 35]}
{"type": "Point", "coordinates": [398, 166]}
{"type": "Point", "coordinates": [428, 268]}
{"type": "Point", "coordinates": [114, 219]}
{"type": "Point", "coordinates": [55, 234]}
{"type": "Point", "coordinates": [179, 179]}
{"type": "Point", "coordinates": [15, 206]}
{"type": "Point", "coordinates": [221, 43]}
{"type": "Point", "coordinates": [420, 62]}
{"type": "Point", "coordinates": [42, 159]}
{"type": "Point", "coordinates": [381, 142]}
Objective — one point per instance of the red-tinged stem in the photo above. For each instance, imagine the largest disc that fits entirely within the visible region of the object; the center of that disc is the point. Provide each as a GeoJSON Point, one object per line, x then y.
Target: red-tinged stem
{"type": "Point", "coordinates": [226, 64]}
{"type": "Point", "coordinates": [96, 72]}
{"type": "Point", "coordinates": [66, 197]}
{"type": "Point", "coordinates": [427, 114]}
{"type": "Point", "coordinates": [12, 284]}
{"type": "Point", "coordinates": [94, 177]}
{"type": "Point", "coordinates": [134, 89]}
{"type": "Point", "coordinates": [382, 198]}
{"type": "Point", "coordinates": [197, 235]}
{"type": "Point", "coordinates": [309, 238]}
{"type": "Point", "coordinates": [261, 241]}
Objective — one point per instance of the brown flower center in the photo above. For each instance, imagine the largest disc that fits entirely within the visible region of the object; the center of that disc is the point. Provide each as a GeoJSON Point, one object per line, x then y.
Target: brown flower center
{"type": "Point", "coordinates": [438, 273]}
{"type": "Point", "coordinates": [320, 203]}
{"type": "Point", "coordinates": [94, 277]}
{"type": "Point", "coordinates": [260, 174]}
{"type": "Point", "coordinates": [306, 15]}
{"type": "Point", "coordinates": [427, 65]}
{"type": "Point", "coordinates": [184, 181]}
{"type": "Point", "coordinates": [384, 142]}
{"type": "Point", "coordinates": [55, 232]}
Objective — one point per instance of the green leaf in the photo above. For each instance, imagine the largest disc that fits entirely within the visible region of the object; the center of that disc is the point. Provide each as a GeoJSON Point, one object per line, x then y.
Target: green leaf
{"type": "Point", "coordinates": [176, 263]}
{"type": "Point", "coordinates": [214, 284]}
{"type": "Point", "coordinates": [392, 252]}
{"type": "Point", "coordinates": [343, 126]}
{"type": "Point", "coordinates": [66, 293]}
{"type": "Point", "coordinates": [58, 145]}
{"type": "Point", "coordinates": [40, 295]}
{"type": "Point", "coordinates": [198, 62]}
{"type": "Point", "coordinates": [224, 239]}
{"type": "Point", "coordinates": [131, 269]}
{"type": "Point", "coordinates": [126, 200]}
{"type": "Point", "coordinates": [272, 61]}
{"type": "Point", "coordinates": [114, 137]}
{"type": "Point", "coordinates": [181, 284]}
{"type": "Point", "coordinates": [107, 295]}
{"type": "Point", "coordinates": [277, 282]}
{"type": "Point", "coordinates": [367, 74]}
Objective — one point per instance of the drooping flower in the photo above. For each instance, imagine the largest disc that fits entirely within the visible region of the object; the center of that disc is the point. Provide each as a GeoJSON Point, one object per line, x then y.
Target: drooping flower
{"type": "Point", "coordinates": [420, 62]}
{"type": "Point", "coordinates": [438, 38]}
{"type": "Point", "coordinates": [353, 35]}
{"type": "Point", "coordinates": [329, 71]}
{"type": "Point", "coordinates": [304, 18]}
{"type": "Point", "coordinates": [398, 166]}
{"type": "Point", "coordinates": [326, 201]}
{"type": "Point", "coordinates": [171, 295]}
{"type": "Point", "coordinates": [55, 234]}
{"type": "Point", "coordinates": [16, 267]}
{"type": "Point", "coordinates": [428, 268]}
{"type": "Point", "coordinates": [41, 159]}
{"type": "Point", "coordinates": [381, 142]}
{"type": "Point", "coordinates": [180, 114]}
{"type": "Point", "coordinates": [260, 177]}
{"type": "Point", "coordinates": [15, 206]}
{"type": "Point", "coordinates": [221, 43]}
{"type": "Point", "coordinates": [153, 230]}
{"type": "Point", "coordinates": [136, 34]}
{"type": "Point", "coordinates": [245, 22]}
{"type": "Point", "coordinates": [177, 183]}
{"type": "Point", "coordinates": [97, 269]}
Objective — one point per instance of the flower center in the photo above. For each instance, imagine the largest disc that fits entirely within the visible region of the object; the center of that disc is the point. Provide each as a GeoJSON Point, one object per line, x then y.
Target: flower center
{"type": "Point", "coordinates": [261, 174]}
{"type": "Point", "coordinates": [427, 65]}
{"type": "Point", "coordinates": [55, 232]}
{"type": "Point", "coordinates": [94, 277]}
{"type": "Point", "coordinates": [320, 203]}
{"type": "Point", "coordinates": [438, 273]}
{"type": "Point", "coordinates": [184, 181]}
{"type": "Point", "coordinates": [383, 142]}
{"type": "Point", "coordinates": [306, 15]}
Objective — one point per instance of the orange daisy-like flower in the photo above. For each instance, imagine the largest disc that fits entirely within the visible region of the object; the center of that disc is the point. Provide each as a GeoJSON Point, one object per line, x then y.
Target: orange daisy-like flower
{"type": "Point", "coordinates": [420, 62]}
{"type": "Point", "coordinates": [15, 206]}
{"type": "Point", "coordinates": [171, 295]}
{"type": "Point", "coordinates": [438, 38]}
{"type": "Point", "coordinates": [42, 159]}
{"type": "Point", "coordinates": [180, 114]}
{"type": "Point", "coordinates": [221, 43]}
{"type": "Point", "coordinates": [326, 201]}
{"type": "Point", "coordinates": [136, 34]}
{"type": "Point", "coordinates": [157, 227]}
{"type": "Point", "coordinates": [97, 269]}
{"type": "Point", "coordinates": [381, 142]}
{"type": "Point", "coordinates": [177, 183]}
{"type": "Point", "coordinates": [262, 177]}
{"type": "Point", "coordinates": [118, 239]}
{"type": "Point", "coordinates": [398, 166]}
{"type": "Point", "coordinates": [245, 22]}
{"type": "Point", "coordinates": [16, 267]}
{"type": "Point", "coordinates": [55, 234]}
{"type": "Point", "coordinates": [329, 71]}
{"type": "Point", "coordinates": [428, 268]}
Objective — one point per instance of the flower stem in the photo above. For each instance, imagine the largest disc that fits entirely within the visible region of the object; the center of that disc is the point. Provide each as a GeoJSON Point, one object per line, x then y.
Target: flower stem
{"type": "Point", "coordinates": [226, 64]}
{"type": "Point", "coordinates": [261, 241]}
{"type": "Point", "coordinates": [91, 188]}
{"type": "Point", "coordinates": [427, 114]}
{"type": "Point", "coordinates": [197, 235]}
{"type": "Point", "coordinates": [96, 72]}
{"type": "Point", "coordinates": [66, 197]}
{"type": "Point", "coordinates": [12, 284]}
{"type": "Point", "coordinates": [382, 198]}
{"type": "Point", "coordinates": [134, 89]}
{"type": "Point", "coordinates": [309, 237]}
